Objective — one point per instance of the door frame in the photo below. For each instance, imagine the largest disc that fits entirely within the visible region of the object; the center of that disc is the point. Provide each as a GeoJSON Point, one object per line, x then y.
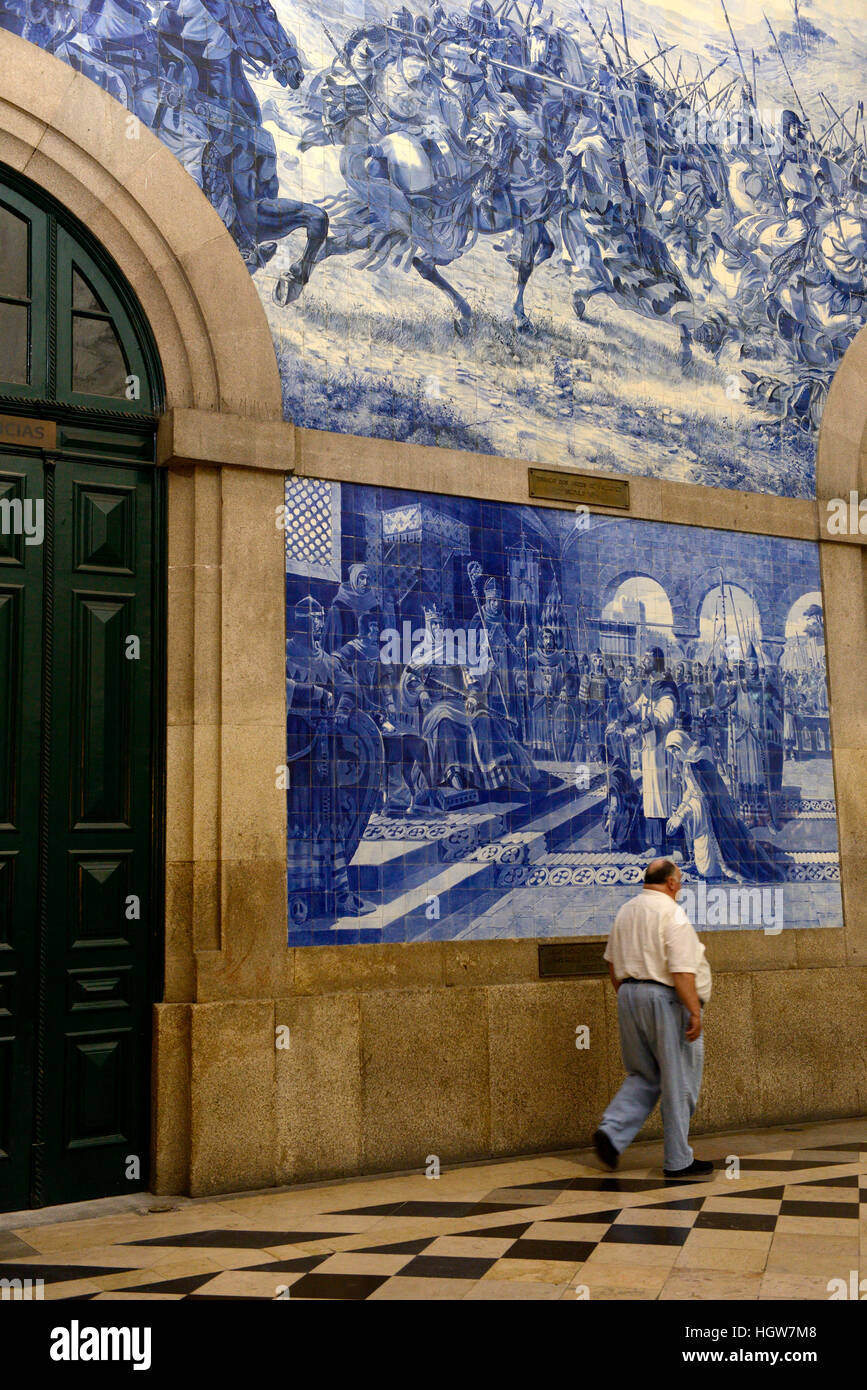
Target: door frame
{"type": "Point", "coordinates": [155, 953]}
{"type": "Point", "coordinates": [104, 433]}
{"type": "Point", "coordinates": [223, 444]}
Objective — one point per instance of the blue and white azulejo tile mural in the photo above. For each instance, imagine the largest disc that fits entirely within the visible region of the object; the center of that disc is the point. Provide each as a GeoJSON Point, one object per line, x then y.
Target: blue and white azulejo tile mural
{"type": "Point", "coordinates": [497, 714]}
{"type": "Point", "coordinates": [627, 238]}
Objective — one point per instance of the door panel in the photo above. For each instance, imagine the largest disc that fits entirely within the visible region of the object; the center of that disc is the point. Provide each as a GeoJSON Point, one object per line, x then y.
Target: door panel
{"type": "Point", "coordinates": [20, 709]}
{"type": "Point", "coordinates": [100, 723]}
{"type": "Point", "coordinates": [97, 1112]}
{"type": "Point", "coordinates": [98, 904]}
{"type": "Point", "coordinates": [76, 827]}
{"type": "Point", "coordinates": [81, 709]}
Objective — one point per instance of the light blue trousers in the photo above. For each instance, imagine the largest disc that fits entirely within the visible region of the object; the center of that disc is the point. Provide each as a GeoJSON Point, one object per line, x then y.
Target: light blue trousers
{"type": "Point", "coordinates": [661, 1065]}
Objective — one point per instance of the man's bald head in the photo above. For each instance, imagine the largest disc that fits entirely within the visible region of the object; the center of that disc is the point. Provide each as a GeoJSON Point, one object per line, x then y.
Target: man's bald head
{"type": "Point", "coordinates": [663, 875]}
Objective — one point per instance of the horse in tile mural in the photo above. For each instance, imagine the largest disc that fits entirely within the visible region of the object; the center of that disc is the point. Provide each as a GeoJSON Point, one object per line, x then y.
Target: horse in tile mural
{"type": "Point", "coordinates": [183, 68]}
{"type": "Point", "coordinates": [430, 162]}
{"type": "Point", "coordinates": [678, 199]}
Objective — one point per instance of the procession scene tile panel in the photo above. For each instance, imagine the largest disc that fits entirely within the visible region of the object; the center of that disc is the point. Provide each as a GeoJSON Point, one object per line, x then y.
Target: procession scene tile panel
{"type": "Point", "coordinates": [498, 714]}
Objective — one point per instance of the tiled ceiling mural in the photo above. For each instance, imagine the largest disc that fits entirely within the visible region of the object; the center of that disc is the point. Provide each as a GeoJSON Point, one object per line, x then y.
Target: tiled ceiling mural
{"type": "Point", "coordinates": [497, 714]}
{"type": "Point", "coordinates": [629, 237]}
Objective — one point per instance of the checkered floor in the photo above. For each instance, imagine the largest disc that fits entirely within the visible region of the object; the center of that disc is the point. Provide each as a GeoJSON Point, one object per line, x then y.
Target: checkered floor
{"type": "Point", "coordinates": [775, 1222]}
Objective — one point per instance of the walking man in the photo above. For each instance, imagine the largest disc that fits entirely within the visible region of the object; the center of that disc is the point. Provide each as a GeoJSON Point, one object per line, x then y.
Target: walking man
{"type": "Point", "coordinates": [658, 968]}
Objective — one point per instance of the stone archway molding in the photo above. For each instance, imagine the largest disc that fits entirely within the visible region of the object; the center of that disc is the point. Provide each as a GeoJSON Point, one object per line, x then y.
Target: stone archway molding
{"type": "Point", "coordinates": [74, 141]}
{"type": "Point", "coordinates": [841, 455]}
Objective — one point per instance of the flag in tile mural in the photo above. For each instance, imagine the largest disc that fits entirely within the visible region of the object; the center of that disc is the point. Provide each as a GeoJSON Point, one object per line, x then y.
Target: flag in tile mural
{"type": "Point", "coordinates": [497, 717]}
{"type": "Point", "coordinates": [630, 239]}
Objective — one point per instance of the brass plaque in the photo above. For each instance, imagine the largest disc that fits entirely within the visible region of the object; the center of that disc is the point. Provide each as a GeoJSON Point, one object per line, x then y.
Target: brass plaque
{"type": "Point", "coordinates": [558, 959]}
{"type": "Point", "coordinates": [557, 485]}
{"type": "Point", "coordinates": [28, 434]}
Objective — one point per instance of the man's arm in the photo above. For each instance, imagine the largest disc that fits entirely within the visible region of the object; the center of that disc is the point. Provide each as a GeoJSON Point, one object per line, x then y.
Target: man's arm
{"type": "Point", "coordinates": [684, 983]}
{"type": "Point", "coordinates": [614, 980]}
{"type": "Point", "coordinates": [681, 944]}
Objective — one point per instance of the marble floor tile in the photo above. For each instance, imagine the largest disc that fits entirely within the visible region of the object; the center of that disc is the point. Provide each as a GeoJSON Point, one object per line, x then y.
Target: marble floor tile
{"type": "Point", "coordinates": [231, 1283]}
{"type": "Point", "coordinates": [490, 1290]}
{"type": "Point", "coordinates": [612, 1293]}
{"type": "Point", "coordinates": [547, 1227]}
{"type": "Point", "coordinates": [118, 1296]}
{"type": "Point", "coordinates": [704, 1239]}
{"type": "Point", "coordinates": [817, 1226]}
{"type": "Point", "coordinates": [532, 1271]}
{"type": "Point", "coordinates": [725, 1258]}
{"type": "Point", "coordinates": [424, 1290]}
{"type": "Point", "coordinates": [490, 1246]}
{"type": "Point", "coordinates": [616, 1256]}
{"type": "Point", "coordinates": [794, 1286]}
{"type": "Point", "coordinates": [650, 1280]}
{"type": "Point", "coordinates": [702, 1284]}
{"type": "Point", "coordinates": [653, 1216]}
{"type": "Point", "coordinates": [361, 1262]}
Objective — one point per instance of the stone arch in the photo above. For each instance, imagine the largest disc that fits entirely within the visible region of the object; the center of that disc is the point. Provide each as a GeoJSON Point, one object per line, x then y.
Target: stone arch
{"type": "Point", "coordinates": [786, 599]}
{"type": "Point", "coordinates": [841, 460]}
{"type": "Point", "coordinates": [708, 580]}
{"type": "Point", "coordinates": [793, 597]}
{"type": "Point", "coordinates": [71, 139]}
{"type": "Point", "coordinates": [612, 578]}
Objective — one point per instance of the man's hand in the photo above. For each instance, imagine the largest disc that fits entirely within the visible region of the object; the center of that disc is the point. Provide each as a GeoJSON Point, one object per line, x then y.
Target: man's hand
{"type": "Point", "coordinates": [684, 983]}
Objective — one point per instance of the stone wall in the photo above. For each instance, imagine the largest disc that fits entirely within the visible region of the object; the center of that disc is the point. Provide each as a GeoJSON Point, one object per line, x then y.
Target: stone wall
{"type": "Point", "coordinates": [459, 1049]}
{"type": "Point", "coordinates": [377, 1079]}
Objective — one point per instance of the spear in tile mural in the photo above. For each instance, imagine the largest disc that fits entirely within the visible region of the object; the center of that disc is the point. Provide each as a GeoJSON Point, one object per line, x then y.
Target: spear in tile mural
{"type": "Point", "coordinates": [752, 99]}
{"type": "Point", "coordinates": [731, 751]}
{"type": "Point", "coordinates": [785, 66]}
{"type": "Point", "coordinates": [525, 701]}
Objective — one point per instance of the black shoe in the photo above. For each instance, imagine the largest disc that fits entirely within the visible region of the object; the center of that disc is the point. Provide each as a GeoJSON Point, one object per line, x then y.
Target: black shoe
{"type": "Point", "coordinates": [605, 1150]}
{"type": "Point", "coordinates": [699, 1168]}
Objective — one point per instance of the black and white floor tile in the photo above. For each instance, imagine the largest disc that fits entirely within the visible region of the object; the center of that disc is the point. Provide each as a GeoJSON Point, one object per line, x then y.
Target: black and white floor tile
{"type": "Point", "coordinates": [779, 1222]}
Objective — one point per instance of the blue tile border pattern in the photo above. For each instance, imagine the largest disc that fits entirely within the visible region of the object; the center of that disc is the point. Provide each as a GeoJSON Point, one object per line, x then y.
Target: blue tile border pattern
{"type": "Point", "coordinates": [499, 713]}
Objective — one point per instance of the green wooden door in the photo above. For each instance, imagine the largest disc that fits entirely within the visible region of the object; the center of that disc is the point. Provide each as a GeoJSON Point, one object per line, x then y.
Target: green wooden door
{"type": "Point", "coordinates": [20, 701]}
{"type": "Point", "coordinates": [81, 718]}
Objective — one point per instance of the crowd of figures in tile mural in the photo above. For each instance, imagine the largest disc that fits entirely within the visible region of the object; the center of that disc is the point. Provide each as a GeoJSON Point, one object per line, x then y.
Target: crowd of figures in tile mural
{"type": "Point", "coordinates": [496, 714]}
{"type": "Point", "coordinates": [627, 236]}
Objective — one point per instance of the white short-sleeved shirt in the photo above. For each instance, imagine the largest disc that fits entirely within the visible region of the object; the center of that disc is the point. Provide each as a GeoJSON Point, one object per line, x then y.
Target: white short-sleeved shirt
{"type": "Point", "coordinates": [652, 938]}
